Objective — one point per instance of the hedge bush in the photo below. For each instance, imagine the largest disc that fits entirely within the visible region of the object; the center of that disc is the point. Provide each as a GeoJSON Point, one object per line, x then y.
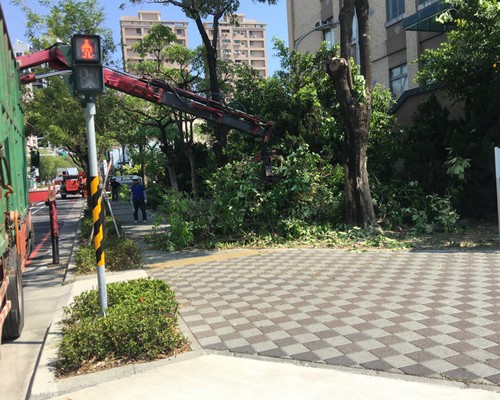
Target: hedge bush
{"type": "Point", "coordinates": [140, 325]}
{"type": "Point", "coordinates": [120, 254]}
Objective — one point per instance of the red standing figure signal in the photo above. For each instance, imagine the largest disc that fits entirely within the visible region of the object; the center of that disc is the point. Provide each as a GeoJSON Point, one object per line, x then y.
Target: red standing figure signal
{"type": "Point", "coordinates": [87, 49]}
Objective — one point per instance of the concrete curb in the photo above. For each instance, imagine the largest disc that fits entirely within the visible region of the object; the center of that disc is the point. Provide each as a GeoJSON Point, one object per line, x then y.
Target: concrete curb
{"type": "Point", "coordinates": [71, 269]}
{"type": "Point", "coordinates": [45, 385]}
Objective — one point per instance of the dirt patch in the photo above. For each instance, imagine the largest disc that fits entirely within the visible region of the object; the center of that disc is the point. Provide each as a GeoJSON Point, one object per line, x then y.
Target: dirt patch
{"type": "Point", "coordinates": [97, 366]}
{"type": "Point", "coordinates": [473, 236]}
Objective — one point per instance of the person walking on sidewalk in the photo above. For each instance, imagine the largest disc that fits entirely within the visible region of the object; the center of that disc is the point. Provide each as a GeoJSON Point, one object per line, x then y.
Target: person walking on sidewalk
{"type": "Point", "coordinates": [138, 198]}
{"type": "Point", "coordinates": [115, 188]}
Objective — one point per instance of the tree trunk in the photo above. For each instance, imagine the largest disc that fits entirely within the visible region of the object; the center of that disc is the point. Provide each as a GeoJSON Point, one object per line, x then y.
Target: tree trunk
{"type": "Point", "coordinates": [172, 175]}
{"type": "Point", "coordinates": [211, 54]}
{"type": "Point", "coordinates": [355, 110]}
{"type": "Point", "coordinates": [188, 151]}
{"type": "Point", "coordinates": [359, 205]}
{"type": "Point", "coordinates": [143, 164]}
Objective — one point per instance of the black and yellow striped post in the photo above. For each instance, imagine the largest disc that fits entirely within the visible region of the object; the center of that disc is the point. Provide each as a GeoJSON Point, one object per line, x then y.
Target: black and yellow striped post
{"type": "Point", "coordinates": [97, 218]}
{"type": "Point", "coordinates": [95, 196]}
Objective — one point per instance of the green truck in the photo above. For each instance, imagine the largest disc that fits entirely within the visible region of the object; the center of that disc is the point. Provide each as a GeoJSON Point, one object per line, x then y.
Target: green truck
{"type": "Point", "coordinates": [16, 233]}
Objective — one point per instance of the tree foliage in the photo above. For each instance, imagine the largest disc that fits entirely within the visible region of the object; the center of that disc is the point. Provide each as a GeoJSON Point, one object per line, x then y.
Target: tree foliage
{"type": "Point", "coordinates": [49, 165]}
{"type": "Point", "coordinates": [172, 129]}
{"type": "Point", "coordinates": [299, 99]}
{"type": "Point", "coordinates": [211, 11]}
{"type": "Point", "coordinates": [467, 63]}
{"type": "Point", "coordinates": [57, 115]}
{"type": "Point", "coordinates": [53, 112]}
{"type": "Point", "coordinates": [55, 21]}
{"type": "Point", "coordinates": [467, 67]}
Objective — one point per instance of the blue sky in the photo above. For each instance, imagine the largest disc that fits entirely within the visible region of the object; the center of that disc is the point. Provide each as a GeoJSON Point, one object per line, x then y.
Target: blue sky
{"type": "Point", "coordinates": [273, 16]}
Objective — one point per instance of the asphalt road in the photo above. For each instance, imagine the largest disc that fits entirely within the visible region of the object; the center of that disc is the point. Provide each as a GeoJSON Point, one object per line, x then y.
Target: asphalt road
{"type": "Point", "coordinates": [43, 293]}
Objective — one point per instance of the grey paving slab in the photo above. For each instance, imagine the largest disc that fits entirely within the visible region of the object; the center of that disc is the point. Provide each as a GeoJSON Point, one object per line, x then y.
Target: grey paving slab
{"type": "Point", "coordinates": [431, 314]}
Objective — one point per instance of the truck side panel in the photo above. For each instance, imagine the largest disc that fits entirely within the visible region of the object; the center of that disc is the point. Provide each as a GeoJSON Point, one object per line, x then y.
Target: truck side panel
{"type": "Point", "coordinates": [13, 168]}
{"type": "Point", "coordinates": [15, 219]}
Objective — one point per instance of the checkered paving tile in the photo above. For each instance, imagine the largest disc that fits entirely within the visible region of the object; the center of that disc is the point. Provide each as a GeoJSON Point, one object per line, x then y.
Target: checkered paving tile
{"type": "Point", "coordinates": [431, 314]}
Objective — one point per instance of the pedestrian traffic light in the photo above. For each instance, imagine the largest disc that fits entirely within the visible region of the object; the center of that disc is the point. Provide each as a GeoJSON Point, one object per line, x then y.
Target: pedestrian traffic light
{"type": "Point", "coordinates": [87, 64]}
{"type": "Point", "coordinates": [35, 158]}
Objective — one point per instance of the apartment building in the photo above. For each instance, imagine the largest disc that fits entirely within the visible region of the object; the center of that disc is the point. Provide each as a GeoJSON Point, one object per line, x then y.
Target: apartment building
{"type": "Point", "coordinates": [243, 41]}
{"type": "Point", "coordinates": [400, 31]}
{"type": "Point", "coordinates": [134, 29]}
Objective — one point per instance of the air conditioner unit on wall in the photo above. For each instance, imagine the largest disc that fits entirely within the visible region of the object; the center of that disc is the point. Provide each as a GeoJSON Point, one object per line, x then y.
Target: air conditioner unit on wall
{"type": "Point", "coordinates": [318, 24]}
{"type": "Point", "coordinates": [326, 25]}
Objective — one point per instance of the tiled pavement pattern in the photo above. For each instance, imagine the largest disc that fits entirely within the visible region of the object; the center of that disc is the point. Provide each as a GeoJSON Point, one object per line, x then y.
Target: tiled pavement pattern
{"type": "Point", "coordinates": [431, 314]}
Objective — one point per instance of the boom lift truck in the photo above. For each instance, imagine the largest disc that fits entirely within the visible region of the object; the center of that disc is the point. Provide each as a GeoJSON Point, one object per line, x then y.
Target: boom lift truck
{"type": "Point", "coordinates": [16, 234]}
{"type": "Point", "coordinates": [159, 92]}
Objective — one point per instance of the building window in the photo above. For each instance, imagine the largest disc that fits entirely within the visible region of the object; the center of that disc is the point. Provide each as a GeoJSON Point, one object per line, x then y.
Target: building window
{"type": "Point", "coordinates": [355, 37]}
{"type": "Point", "coordinates": [395, 8]}
{"type": "Point", "coordinates": [180, 32]}
{"type": "Point", "coordinates": [138, 31]}
{"type": "Point", "coordinates": [399, 80]}
{"type": "Point", "coordinates": [330, 38]}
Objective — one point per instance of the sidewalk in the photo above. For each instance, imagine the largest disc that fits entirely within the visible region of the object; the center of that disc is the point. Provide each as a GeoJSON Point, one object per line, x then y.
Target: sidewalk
{"type": "Point", "coordinates": [206, 373]}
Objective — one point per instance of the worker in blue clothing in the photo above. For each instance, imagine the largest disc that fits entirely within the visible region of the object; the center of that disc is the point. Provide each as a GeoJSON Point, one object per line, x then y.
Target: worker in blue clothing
{"type": "Point", "coordinates": [138, 198]}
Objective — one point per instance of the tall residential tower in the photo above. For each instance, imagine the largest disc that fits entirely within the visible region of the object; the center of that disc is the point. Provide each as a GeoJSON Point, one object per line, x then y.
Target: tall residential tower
{"type": "Point", "coordinates": [242, 41]}
{"type": "Point", "coordinates": [134, 29]}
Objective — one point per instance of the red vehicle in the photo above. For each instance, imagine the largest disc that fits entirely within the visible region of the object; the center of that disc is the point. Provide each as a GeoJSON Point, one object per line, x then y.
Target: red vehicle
{"type": "Point", "coordinates": [72, 184]}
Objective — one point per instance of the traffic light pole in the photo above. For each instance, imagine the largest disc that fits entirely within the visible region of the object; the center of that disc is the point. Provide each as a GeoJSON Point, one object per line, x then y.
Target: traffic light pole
{"type": "Point", "coordinates": [95, 196]}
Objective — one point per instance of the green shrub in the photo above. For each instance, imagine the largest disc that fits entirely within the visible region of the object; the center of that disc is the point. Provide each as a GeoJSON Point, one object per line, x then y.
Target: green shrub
{"type": "Point", "coordinates": [308, 191]}
{"type": "Point", "coordinates": [87, 224]}
{"type": "Point", "coordinates": [120, 254]}
{"type": "Point", "coordinates": [408, 204]}
{"type": "Point", "coordinates": [140, 324]}
{"type": "Point", "coordinates": [124, 193]}
{"type": "Point", "coordinates": [85, 260]}
{"type": "Point", "coordinates": [242, 205]}
{"type": "Point", "coordinates": [177, 209]}
{"type": "Point", "coordinates": [86, 227]}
